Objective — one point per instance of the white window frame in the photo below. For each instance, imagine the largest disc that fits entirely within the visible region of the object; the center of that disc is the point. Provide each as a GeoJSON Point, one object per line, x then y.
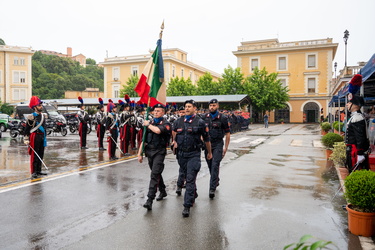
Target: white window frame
{"type": "Point", "coordinates": [22, 61]}
{"type": "Point", "coordinates": [278, 63]}
{"type": "Point", "coordinates": [307, 60]}
{"type": "Point", "coordinates": [251, 64]}
{"type": "Point", "coordinates": [116, 91]}
{"type": "Point", "coordinates": [286, 81]}
{"type": "Point", "coordinates": [134, 68]}
{"type": "Point", "coordinates": [307, 84]}
{"type": "Point", "coordinates": [115, 73]}
{"type": "Point", "coordinates": [191, 75]}
{"type": "Point", "coordinates": [19, 76]}
{"type": "Point", "coordinates": [182, 72]}
{"type": "Point", "coordinates": [15, 60]}
{"type": "Point", "coordinates": [16, 94]}
{"type": "Point", "coordinates": [173, 71]}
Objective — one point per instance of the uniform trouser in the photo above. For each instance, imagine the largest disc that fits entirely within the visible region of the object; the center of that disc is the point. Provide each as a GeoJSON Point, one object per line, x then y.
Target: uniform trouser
{"type": "Point", "coordinates": [125, 138]}
{"type": "Point", "coordinates": [133, 135]}
{"type": "Point", "coordinates": [181, 174]}
{"type": "Point", "coordinates": [139, 136]}
{"type": "Point", "coordinates": [214, 163]}
{"type": "Point", "coordinates": [100, 135]}
{"type": "Point", "coordinates": [82, 131]}
{"type": "Point", "coordinates": [266, 123]}
{"type": "Point", "coordinates": [111, 143]}
{"type": "Point", "coordinates": [190, 162]}
{"type": "Point", "coordinates": [37, 142]}
{"type": "Point", "coordinates": [156, 163]}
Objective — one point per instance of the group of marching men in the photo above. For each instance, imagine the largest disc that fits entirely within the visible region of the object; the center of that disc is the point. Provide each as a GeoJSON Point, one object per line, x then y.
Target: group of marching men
{"type": "Point", "coordinates": [122, 124]}
{"type": "Point", "coordinates": [188, 133]}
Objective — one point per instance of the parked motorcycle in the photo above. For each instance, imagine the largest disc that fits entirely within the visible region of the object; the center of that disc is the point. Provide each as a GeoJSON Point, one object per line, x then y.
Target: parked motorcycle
{"type": "Point", "coordinates": [16, 128]}
{"type": "Point", "coordinates": [73, 125]}
{"type": "Point", "coordinates": [57, 126]}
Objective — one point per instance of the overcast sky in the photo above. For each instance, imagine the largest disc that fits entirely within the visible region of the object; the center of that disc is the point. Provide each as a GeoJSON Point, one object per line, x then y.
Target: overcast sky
{"type": "Point", "coordinates": [208, 30]}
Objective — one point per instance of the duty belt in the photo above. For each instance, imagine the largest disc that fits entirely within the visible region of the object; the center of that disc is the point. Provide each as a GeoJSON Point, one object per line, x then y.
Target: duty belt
{"type": "Point", "coordinates": [188, 149]}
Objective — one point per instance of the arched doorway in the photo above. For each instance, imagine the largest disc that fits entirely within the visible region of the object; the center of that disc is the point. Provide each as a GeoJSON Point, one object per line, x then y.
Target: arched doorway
{"type": "Point", "coordinates": [282, 114]}
{"type": "Point", "coordinates": [311, 112]}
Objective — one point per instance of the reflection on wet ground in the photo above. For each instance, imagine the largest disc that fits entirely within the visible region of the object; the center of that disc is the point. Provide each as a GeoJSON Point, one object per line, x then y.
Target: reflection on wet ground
{"type": "Point", "coordinates": [62, 154]}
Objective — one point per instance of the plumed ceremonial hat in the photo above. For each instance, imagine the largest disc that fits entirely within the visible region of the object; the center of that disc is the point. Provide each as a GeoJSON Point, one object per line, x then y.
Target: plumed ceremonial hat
{"type": "Point", "coordinates": [110, 106]}
{"type": "Point", "coordinates": [354, 85]}
{"type": "Point", "coordinates": [34, 101]}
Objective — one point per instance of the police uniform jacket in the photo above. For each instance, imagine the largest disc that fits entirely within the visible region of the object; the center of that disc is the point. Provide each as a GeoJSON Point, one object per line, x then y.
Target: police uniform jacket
{"type": "Point", "coordinates": [158, 141]}
{"type": "Point", "coordinates": [356, 133]}
{"type": "Point", "coordinates": [189, 132]}
{"type": "Point", "coordinates": [112, 121]}
{"type": "Point", "coordinates": [32, 121]}
{"type": "Point", "coordinates": [218, 126]}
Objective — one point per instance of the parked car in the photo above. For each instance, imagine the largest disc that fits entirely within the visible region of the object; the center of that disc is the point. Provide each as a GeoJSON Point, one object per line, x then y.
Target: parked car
{"type": "Point", "coordinates": [4, 120]}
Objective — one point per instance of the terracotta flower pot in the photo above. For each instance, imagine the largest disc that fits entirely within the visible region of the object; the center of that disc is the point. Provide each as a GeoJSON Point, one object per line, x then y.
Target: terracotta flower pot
{"type": "Point", "coordinates": [324, 132]}
{"type": "Point", "coordinates": [328, 153]}
{"type": "Point", "coordinates": [360, 223]}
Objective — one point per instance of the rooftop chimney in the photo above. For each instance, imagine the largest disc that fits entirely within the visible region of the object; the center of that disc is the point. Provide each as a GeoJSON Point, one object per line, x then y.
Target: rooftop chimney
{"type": "Point", "coordinates": [69, 52]}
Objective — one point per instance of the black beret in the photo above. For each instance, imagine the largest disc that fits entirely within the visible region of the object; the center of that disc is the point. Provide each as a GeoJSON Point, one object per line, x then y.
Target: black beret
{"type": "Point", "coordinates": [158, 105]}
{"type": "Point", "coordinates": [191, 102]}
{"type": "Point", "coordinates": [213, 101]}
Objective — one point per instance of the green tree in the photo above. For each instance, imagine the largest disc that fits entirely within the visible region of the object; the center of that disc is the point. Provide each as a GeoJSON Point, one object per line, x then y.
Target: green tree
{"type": "Point", "coordinates": [128, 89]}
{"type": "Point", "coordinates": [90, 61]}
{"type": "Point", "coordinates": [231, 82]}
{"type": "Point", "coordinates": [6, 108]}
{"type": "Point", "coordinates": [181, 87]}
{"type": "Point", "coordinates": [53, 75]}
{"type": "Point", "coordinates": [206, 85]}
{"type": "Point", "coordinates": [2, 42]}
{"type": "Point", "coordinates": [265, 91]}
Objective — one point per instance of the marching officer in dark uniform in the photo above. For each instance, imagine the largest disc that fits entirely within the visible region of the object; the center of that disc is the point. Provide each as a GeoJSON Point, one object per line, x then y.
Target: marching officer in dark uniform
{"type": "Point", "coordinates": [83, 118]}
{"type": "Point", "coordinates": [157, 138]}
{"type": "Point", "coordinates": [35, 136]}
{"type": "Point", "coordinates": [112, 130]}
{"type": "Point", "coordinates": [187, 140]}
{"type": "Point", "coordinates": [219, 127]}
{"type": "Point", "coordinates": [100, 120]}
{"type": "Point", "coordinates": [357, 143]}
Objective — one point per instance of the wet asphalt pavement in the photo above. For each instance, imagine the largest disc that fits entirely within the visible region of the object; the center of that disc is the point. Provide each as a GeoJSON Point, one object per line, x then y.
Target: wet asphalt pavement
{"type": "Point", "coordinates": [275, 187]}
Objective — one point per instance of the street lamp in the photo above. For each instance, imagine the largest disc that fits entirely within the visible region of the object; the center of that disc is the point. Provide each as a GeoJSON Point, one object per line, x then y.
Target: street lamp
{"type": "Point", "coordinates": [346, 37]}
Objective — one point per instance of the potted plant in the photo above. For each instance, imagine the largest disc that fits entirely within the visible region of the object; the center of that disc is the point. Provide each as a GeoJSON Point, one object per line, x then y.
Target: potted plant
{"type": "Point", "coordinates": [338, 155]}
{"type": "Point", "coordinates": [338, 127]}
{"type": "Point", "coordinates": [325, 126]}
{"type": "Point", "coordinates": [360, 194]}
{"type": "Point", "coordinates": [281, 121]}
{"type": "Point", "coordinates": [328, 141]}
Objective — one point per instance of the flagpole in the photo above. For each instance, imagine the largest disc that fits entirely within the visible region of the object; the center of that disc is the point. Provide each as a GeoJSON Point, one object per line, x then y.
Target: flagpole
{"type": "Point", "coordinates": [149, 101]}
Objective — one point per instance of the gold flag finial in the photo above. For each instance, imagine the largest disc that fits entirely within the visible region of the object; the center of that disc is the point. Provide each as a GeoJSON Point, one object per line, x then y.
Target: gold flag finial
{"type": "Point", "coordinates": [162, 28]}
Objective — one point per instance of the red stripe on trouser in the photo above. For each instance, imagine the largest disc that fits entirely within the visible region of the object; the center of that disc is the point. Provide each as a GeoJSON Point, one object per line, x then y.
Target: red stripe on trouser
{"type": "Point", "coordinates": [31, 152]}
{"type": "Point", "coordinates": [354, 153]}
{"type": "Point", "coordinates": [80, 134]}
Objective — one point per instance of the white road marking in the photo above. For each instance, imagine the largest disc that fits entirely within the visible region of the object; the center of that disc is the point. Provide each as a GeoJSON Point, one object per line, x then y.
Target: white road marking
{"type": "Point", "coordinates": [240, 140]}
{"type": "Point", "coordinates": [275, 142]}
{"type": "Point", "coordinates": [296, 143]}
{"type": "Point", "coordinates": [257, 141]}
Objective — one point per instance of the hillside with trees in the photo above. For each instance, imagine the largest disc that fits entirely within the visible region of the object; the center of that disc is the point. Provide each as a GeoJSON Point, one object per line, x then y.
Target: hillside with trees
{"type": "Point", "coordinates": [53, 75]}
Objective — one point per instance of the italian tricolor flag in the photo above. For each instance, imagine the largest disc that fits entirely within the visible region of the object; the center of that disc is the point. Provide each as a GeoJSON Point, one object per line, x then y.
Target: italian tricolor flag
{"type": "Point", "coordinates": [151, 83]}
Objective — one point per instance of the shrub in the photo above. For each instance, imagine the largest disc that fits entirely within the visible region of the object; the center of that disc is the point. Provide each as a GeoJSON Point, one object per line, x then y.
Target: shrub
{"type": "Point", "coordinates": [360, 190]}
{"type": "Point", "coordinates": [338, 155]}
{"type": "Point", "coordinates": [326, 126]}
{"type": "Point", "coordinates": [330, 138]}
{"type": "Point", "coordinates": [336, 126]}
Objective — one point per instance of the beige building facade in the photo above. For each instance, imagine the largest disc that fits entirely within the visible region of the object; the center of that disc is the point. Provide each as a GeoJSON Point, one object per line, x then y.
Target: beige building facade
{"type": "Point", "coordinates": [117, 70]}
{"type": "Point", "coordinates": [305, 67]}
{"type": "Point", "coordinates": [15, 73]}
{"type": "Point", "coordinates": [80, 58]}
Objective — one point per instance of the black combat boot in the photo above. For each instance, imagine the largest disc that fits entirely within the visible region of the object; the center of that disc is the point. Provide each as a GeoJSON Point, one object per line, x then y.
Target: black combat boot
{"type": "Point", "coordinates": [148, 204]}
{"type": "Point", "coordinates": [178, 190]}
{"type": "Point", "coordinates": [161, 196]}
{"type": "Point", "coordinates": [212, 193]}
{"type": "Point", "coordinates": [186, 212]}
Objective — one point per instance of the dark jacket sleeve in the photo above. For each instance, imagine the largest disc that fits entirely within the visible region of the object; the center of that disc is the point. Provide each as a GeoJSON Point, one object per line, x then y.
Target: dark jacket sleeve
{"type": "Point", "coordinates": [359, 129]}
